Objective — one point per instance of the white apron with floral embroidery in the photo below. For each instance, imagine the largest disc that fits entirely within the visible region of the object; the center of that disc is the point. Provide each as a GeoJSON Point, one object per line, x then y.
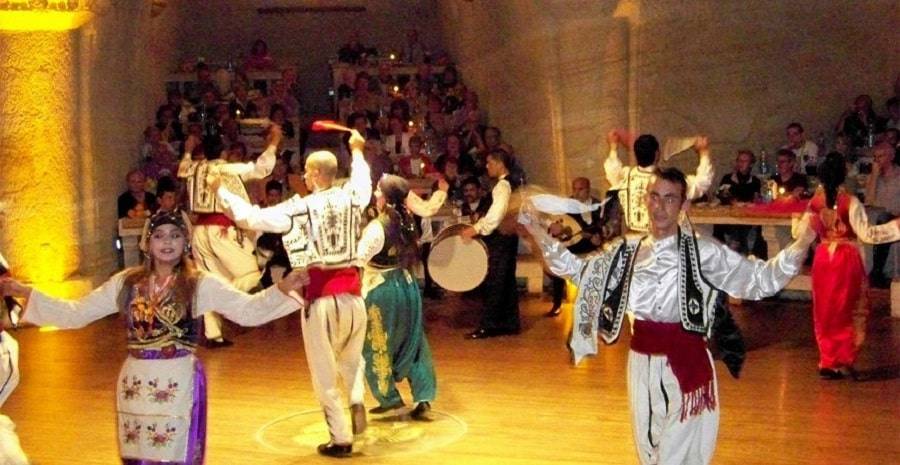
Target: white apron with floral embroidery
{"type": "Point", "coordinates": [154, 400]}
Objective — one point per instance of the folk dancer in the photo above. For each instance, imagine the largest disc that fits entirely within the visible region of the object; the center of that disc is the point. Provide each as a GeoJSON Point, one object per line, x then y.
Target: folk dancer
{"type": "Point", "coordinates": [396, 347]}
{"type": "Point", "coordinates": [321, 234]}
{"type": "Point", "coordinates": [839, 279]}
{"type": "Point", "coordinates": [667, 280]}
{"type": "Point", "coordinates": [161, 389]}
{"type": "Point", "coordinates": [10, 449]}
{"type": "Point", "coordinates": [218, 245]}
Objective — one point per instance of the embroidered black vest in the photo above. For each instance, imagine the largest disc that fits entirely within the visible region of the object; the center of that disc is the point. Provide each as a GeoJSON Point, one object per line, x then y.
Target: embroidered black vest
{"type": "Point", "coordinates": [387, 257]}
{"type": "Point", "coordinates": [696, 296]}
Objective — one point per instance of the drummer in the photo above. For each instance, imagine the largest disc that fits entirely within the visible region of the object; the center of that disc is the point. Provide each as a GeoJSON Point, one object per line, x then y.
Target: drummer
{"type": "Point", "coordinates": [501, 307]}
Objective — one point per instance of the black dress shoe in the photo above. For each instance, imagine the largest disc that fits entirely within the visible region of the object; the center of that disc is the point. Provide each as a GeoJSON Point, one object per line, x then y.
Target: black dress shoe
{"type": "Point", "coordinates": [218, 343]}
{"type": "Point", "coordinates": [358, 418]}
{"type": "Point", "coordinates": [340, 451]}
{"type": "Point", "coordinates": [420, 413]}
{"type": "Point", "coordinates": [385, 408]}
{"type": "Point", "coordinates": [554, 312]}
{"type": "Point", "coordinates": [829, 374]}
{"type": "Point", "coordinates": [480, 333]}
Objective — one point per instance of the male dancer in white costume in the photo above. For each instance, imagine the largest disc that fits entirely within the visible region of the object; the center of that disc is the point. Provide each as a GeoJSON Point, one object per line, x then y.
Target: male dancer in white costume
{"type": "Point", "coordinates": [321, 232]}
{"type": "Point", "coordinates": [218, 245]}
{"type": "Point", "coordinates": [667, 281]}
{"type": "Point", "coordinates": [10, 450]}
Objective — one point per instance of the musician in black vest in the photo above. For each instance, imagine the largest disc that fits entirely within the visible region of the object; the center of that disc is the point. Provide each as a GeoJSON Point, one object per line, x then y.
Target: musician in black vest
{"type": "Point", "coordinates": [501, 307]}
{"type": "Point", "coordinates": [582, 237]}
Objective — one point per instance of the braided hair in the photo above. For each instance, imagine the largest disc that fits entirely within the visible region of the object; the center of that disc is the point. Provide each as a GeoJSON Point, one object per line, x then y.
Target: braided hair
{"type": "Point", "coordinates": [400, 228]}
{"type": "Point", "coordinates": [832, 173]}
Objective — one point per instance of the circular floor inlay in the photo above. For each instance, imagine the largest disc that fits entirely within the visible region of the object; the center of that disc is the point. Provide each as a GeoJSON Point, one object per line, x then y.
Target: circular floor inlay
{"type": "Point", "coordinates": [299, 433]}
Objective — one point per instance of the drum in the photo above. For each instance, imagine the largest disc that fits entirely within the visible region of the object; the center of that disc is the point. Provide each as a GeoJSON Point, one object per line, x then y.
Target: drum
{"type": "Point", "coordinates": [456, 265]}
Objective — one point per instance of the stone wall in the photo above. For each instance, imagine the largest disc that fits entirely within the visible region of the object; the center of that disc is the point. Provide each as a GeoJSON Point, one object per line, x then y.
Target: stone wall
{"type": "Point", "coordinates": [556, 75]}
{"type": "Point", "coordinates": [72, 114]}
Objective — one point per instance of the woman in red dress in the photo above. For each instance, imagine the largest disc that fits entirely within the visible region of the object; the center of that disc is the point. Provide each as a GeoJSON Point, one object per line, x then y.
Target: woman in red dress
{"type": "Point", "coordinates": [838, 276]}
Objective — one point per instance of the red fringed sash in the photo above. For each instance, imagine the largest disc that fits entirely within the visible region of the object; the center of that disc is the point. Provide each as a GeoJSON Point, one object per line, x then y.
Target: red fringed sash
{"type": "Point", "coordinates": [687, 356]}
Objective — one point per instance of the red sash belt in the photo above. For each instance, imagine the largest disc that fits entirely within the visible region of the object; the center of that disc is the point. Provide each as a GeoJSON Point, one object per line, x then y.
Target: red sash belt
{"type": "Point", "coordinates": [332, 282]}
{"type": "Point", "coordinates": [687, 356]}
{"type": "Point", "coordinates": [214, 219]}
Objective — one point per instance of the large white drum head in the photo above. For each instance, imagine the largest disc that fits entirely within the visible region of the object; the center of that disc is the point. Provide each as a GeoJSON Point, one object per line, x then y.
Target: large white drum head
{"type": "Point", "coordinates": [456, 265]}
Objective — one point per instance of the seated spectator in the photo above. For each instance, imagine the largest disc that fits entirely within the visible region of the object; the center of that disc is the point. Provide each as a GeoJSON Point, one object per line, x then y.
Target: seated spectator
{"type": "Point", "coordinates": [452, 151]}
{"type": "Point", "coordinates": [807, 151]}
{"type": "Point", "coordinates": [280, 96]}
{"type": "Point", "coordinates": [231, 133]}
{"type": "Point", "coordinates": [259, 59]}
{"type": "Point", "coordinates": [378, 160]}
{"type": "Point", "coordinates": [163, 162]}
{"type": "Point", "coordinates": [167, 196]}
{"type": "Point", "coordinates": [236, 153]}
{"type": "Point", "coordinates": [169, 125]}
{"type": "Point", "coordinates": [205, 111]}
{"type": "Point", "coordinates": [363, 100]}
{"type": "Point", "coordinates": [416, 164]}
{"type": "Point", "coordinates": [449, 170]}
{"type": "Point", "coordinates": [153, 142]}
{"type": "Point", "coordinates": [353, 51]}
{"type": "Point", "coordinates": [203, 84]}
{"type": "Point", "coordinates": [289, 78]}
{"type": "Point", "coordinates": [436, 121]}
{"type": "Point", "coordinates": [397, 142]}
{"type": "Point", "coordinates": [274, 193]}
{"type": "Point", "coordinates": [475, 203]}
{"type": "Point", "coordinates": [471, 134]}
{"type": "Point", "coordinates": [241, 106]}
{"type": "Point", "coordinates": [413, 51]}
{"type": "Point", "coordinates": [883, 194]}
{"type": "Point", "coordinates": [893, 108]}
{"type": "Point", "coordinates": [400, 109]}
{"type": "Point", "coordinates": [856, 121]}
{"type": "Point", "coordinates": [277, 116]}
{"type": "Point", "coordinates": [469, 105]}
{"type": "Point", "coordinates": [136, 202]}
{"type": "Point", "coordinates": [385, 79]}
{"type": "Point", "coordinates": [741, 186]}
{"type": "Point", "coordinates": [790, 183]}
{"type": "Point", "coordinates": [891, 136]}
{"type": "Point", "coordinates": [181, 106]}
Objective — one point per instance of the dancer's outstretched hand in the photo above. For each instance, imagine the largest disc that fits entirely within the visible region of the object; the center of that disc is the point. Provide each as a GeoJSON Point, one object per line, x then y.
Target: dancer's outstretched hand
{"type": "Point", "coordinates": [294, 281]}
{"type": "Point", "coordinates": [701, 144]}
{"type": "Point", "coordinates": [357, 142]}
{"type": "Point", "coordinates": [11, 288]}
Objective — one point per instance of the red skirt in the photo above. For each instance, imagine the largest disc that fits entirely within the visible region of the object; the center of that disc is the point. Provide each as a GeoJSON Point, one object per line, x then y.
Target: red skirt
{"type": "Point", "coordinates": [838, 278]}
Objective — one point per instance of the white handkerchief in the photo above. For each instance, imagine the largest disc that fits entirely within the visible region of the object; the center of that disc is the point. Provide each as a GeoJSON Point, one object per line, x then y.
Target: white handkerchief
{"type": "Point", "coordinates": [675, 145]}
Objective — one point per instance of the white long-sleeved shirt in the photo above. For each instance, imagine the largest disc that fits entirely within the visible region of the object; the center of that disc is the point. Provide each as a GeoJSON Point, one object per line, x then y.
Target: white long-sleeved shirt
{"type": "Point", "coordinates": [258, 169]}
{"type": "Point", "coordinates": [277, 218]}
{"type": "Point", "coordinates": [212, 294]}
{"type": "Point", "coordinates": [653, 293]}
{"type": "Point", "coordinates": [500, 202]}
{"type": "Point", "coordinates": [698, 183]}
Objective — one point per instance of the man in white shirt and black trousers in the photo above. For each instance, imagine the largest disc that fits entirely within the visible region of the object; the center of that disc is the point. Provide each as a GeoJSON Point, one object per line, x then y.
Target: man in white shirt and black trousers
{"type": "Point", "coordinates": [500, 315]}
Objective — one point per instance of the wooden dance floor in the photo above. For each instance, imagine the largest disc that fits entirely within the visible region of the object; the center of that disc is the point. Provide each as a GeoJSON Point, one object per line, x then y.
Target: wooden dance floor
{"type": "Point", "coordinates": [510, 400]}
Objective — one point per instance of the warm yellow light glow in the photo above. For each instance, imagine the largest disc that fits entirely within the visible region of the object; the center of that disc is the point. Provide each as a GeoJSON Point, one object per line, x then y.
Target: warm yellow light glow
{"type": "Point", "coordinates": [39, 155]}
{"type": "Point", "coordinates": [43, 20]}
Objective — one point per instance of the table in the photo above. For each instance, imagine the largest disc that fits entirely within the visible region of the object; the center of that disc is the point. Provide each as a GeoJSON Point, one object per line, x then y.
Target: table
{"type": "Point", "coordinates": [776, 230]}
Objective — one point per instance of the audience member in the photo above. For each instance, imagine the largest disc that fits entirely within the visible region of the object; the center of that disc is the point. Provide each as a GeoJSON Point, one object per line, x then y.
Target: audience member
{"type": "Point", "coordinates": [790, 182]}
{"type": "Point", "coordinates": [807, 152]}
{"type": "Point", "coordinates": [136, 202]}
{"type": "Point", "coordinates": [416, 164]}
{"type": "Point", "coordinates": [259, 59]}
{"type": "Point", "coordinates": [859, 120]}
{"type": "Point", "coordinates": [741, 186]}
{"type": "Point", "coordinates": [883, 194]}
{"type": "Point", "coordinates": [413, 51]}
{"type": "Point", "coordinates": [475, 204]}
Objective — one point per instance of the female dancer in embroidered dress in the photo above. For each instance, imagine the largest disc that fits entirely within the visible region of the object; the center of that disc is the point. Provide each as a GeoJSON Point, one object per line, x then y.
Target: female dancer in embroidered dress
{"type": "Point", "coordinates": [395, 347]}
{"type": "Point", "coordinates": [839, 280]}
{"type": "Point", "coordinates": [161, 391]}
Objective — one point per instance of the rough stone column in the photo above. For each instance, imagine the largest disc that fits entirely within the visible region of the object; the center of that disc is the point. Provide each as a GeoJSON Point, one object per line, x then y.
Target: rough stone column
{"type": "Point", "coordinates": [39, 155]}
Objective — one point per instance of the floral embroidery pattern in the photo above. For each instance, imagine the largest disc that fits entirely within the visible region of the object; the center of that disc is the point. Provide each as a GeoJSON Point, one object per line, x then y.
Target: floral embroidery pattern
{"type": "Point", "coordinates": [162, 395]}
{"type": "Point", "coordinates": [381, 360]}
{"type": "Point", "coordinates": [161, 438]}
{"type": "Point", "coordinates": [132, 432]}
{"type": "Point", "coordinates": [133, 390]}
